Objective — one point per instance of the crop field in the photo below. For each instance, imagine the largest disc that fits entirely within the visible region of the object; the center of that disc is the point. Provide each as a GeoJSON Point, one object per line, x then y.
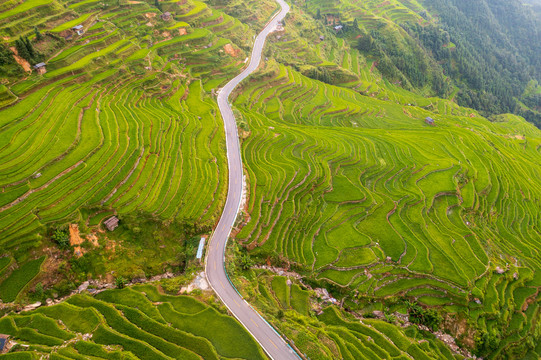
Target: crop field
{"type": "Point", "coordinates": [123, 121]}
{"type": "Point", "coordinates": [333, 334]}
{"type": "Point", "coordinates": [121, 324]}
{"type": "Point", "coordinates": [370, 12]}
{"type": "Point", "coordinates": [345, 180]}
{"type": "Point", "coordinates": [15, 282]}
{"type": "Point", "coordinates": [365, 195]}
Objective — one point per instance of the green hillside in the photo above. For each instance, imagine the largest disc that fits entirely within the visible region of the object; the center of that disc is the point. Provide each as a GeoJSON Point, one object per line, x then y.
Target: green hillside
{"type": "Point", "coordinates": [122, 123]}
{"type": "Point", "coordinates": [363, 194]}
{"type": "Point", "coordinates": [347, 184]}
{"type": "Point", "coordinates": [334, 334]}
{"type": "Point", "coordinates": [482, 53]}
{"type": "Point", "coordinates": [133, 323]}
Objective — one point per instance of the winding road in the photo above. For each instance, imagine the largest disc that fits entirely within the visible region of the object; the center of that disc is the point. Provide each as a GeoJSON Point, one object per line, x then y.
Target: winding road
{"type": "Point", "coordinates": [273, 344]}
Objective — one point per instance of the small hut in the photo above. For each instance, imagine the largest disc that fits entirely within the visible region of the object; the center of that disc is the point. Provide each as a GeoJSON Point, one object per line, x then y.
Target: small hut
{"type": "Point", "coordinates": [430, 121]}
{"type": "Point", "coordinates": [166, 16]}
{"type": "Point", "coordinates": [78, 29]}
{"type": "Point", "coordinates": [4, 343]}
{"type": "Point", "coordinates": [111, 223]}
{"type": "Point", "coordinates": [40, 68]}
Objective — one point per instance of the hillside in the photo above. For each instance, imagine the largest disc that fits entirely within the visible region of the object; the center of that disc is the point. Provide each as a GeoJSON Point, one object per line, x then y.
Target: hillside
{"type": "Point", "coordinates": [346, 182]}
{"type": "Point", "coordinates": [483, 54]}
{"type": "Point", "coordinates": [129, 324]}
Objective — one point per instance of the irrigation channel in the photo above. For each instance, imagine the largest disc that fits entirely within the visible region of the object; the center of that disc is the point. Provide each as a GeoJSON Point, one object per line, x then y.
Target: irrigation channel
{"type": "Point", "coordinates": [273, 344]}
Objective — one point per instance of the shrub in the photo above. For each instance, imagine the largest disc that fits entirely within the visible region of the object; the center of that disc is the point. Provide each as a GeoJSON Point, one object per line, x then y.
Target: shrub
{"type": "Point", "coordinates": [61, 237]}
{"type": "Point", "coordinates": [120, 282]}
{"type": "Point", "coordinates": [427, 317]}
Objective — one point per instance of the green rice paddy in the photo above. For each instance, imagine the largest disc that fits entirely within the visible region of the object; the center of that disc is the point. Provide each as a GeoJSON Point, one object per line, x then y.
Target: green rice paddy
{"type": "Point", "coordinates": [137, 321]}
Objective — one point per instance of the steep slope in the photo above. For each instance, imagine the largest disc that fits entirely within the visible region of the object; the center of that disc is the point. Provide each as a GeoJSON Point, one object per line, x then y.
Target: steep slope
{"type": "Point", "coordinates": [363, 194]}
{"type": "Point", "coordinates": [488, 50]}
{"type": "Point", "coordinates": [122, 123]}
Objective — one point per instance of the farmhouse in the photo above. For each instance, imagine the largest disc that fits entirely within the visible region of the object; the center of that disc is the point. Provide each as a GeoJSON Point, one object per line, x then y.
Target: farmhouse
{"type": "Point", "coordinates": [40, 68]}
{"type": "Point", "coordinates": [430, 121]}
{"type": "Point", "coordinates": [3, 343]}
{"type": "Point", "coordinates": [111, 223]}
{"type": "Point", "coordinates": [78, 29]}
{"type": "Point", "coordinates": [338, 28]}
{"type": "Point", "coordinates": [166, 16]}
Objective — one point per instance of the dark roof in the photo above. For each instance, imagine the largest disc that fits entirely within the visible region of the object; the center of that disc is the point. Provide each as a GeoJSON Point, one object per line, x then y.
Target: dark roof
{"type": "Point", "coordinates": [78, 27]}
{"type": "Point", "coordinates": [111, 223]}
{"type": "Point", "coordinates": [2, 343]}
{"type": "Point", "coordinates": [37, 66]}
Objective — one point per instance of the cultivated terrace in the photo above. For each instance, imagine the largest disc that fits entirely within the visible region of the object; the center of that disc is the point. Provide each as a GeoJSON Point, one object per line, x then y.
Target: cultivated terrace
{"type": "Point", "coordinates": [382, 219]}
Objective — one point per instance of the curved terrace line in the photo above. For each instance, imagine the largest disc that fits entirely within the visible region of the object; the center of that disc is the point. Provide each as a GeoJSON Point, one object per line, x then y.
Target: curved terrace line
{"type": "Point", "coordinates": [273, 344]}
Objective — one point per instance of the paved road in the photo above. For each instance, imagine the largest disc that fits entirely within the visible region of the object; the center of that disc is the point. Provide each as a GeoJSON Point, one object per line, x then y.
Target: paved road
{"type": "Point", "coordinates": [271, 341]}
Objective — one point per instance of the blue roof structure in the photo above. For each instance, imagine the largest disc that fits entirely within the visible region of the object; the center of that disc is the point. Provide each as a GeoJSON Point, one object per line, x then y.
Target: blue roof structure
{"type": "Point", "coordinates": [200, 248]}
{"type": "Point", "coordinates": [2, 344]}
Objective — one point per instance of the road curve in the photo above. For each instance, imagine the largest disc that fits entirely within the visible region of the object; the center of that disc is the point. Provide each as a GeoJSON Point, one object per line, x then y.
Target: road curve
{"type": "Point", "coordinates": [273, 344]}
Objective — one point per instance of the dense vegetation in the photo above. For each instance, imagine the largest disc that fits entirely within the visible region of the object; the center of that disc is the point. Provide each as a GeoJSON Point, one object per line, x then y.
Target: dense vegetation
{"type": "Point", "coordinates": [483, 54]}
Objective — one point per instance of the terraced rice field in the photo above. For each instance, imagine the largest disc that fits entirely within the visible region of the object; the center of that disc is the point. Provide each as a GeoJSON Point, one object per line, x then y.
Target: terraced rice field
{"type": "Point", "coordinates": [123, 121]}
{"type": "Point", "coordinates": [136, 322]}
{"type": "Point", "coordinates": [332, 334]}
{"type": "Point", "coordinates": [363, 194]}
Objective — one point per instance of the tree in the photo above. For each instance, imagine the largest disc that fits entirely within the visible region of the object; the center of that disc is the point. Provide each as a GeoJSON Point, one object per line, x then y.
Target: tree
{"type": "Point", "coordinates": [6, 56]}
{"type": "Point", "coordinates": [427, 317]}
{"type": "Point", "coordinates": [39, 37]}
{"type": "Point", "coordinates": [246, 262]}
{"type": "Point", "coordinates": [318, 15]}
{"type": "Point", "coordinates": [355, 24]}
{"type": "Point", "coordinates": [365, 43]}
{"type": "Point", "coordinates": [120, 282]}
{"type": "Point", "coordinates": [61, 237]}
{"type": "Point", "coordinates": [22, 49]}
{"type": "Point", "coordinates": [29, 47]}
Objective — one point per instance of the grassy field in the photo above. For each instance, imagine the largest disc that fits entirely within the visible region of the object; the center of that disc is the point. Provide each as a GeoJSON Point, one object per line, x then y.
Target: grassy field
{"type": "Point", "coordinates": [127, 321]}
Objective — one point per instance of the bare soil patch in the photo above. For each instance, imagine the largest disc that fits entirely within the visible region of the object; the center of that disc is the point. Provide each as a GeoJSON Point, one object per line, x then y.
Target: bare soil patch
{"type": "Point", "coordinates": [231, 51]}
{"type": "Point", "coordinates": [26, 66]}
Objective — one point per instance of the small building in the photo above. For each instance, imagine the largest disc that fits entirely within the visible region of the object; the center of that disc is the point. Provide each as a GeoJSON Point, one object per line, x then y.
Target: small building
{"type": "Point", "coordinates": [200, 248]}
{"type": "Point", "coordinates": [166, 16]}
{"type": "Point", "coordinates": [3, 343]}
{"type": "Point", "coordinates": [430, 121]}
{"type": "Point", "coordinates": [111, 223]}
{"type": "Point", "coordinates": [41, 69]}
{"type": "Point", "coordinates": [338, 28]}
{"type": "Point", "coordinates": [321, 37]}
{"type": "Point", "coordinates": [78, 29]}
